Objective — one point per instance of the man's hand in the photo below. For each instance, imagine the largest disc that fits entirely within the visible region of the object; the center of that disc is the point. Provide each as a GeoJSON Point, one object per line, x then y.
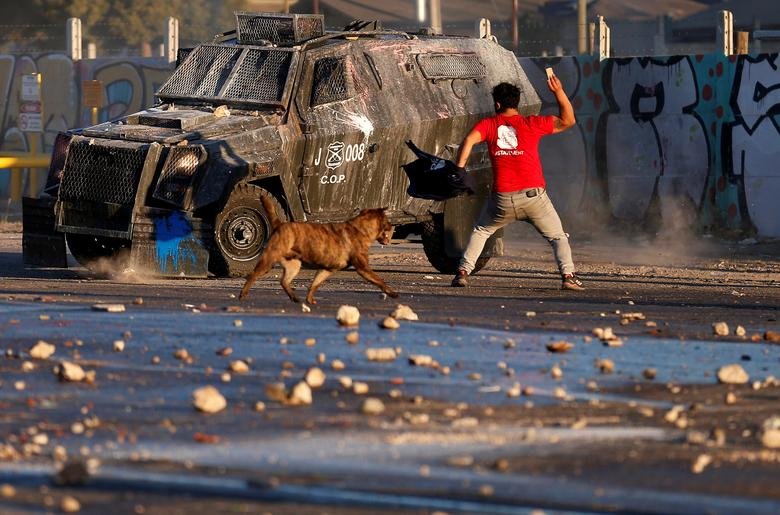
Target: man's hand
{"type": "Point", "coordinates": [554, 83]}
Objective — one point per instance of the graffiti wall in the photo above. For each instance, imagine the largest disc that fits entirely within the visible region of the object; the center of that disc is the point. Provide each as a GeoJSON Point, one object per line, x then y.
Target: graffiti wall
{"type": "Point", "coordinates": [681, 141]}
{"type": "Point", "coordinates": [667, 142]}
{"type": "Point", "coordinates": [128, 84]}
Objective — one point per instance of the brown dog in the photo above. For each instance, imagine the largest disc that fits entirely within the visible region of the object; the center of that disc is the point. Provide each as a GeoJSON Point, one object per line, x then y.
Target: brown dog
{"type": "Point", "coordinates": [327, 247]}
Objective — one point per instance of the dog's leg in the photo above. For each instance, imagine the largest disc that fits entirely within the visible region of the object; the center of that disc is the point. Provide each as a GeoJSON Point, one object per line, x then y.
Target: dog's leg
{"type": "Point", "coordinates": [262, 268]}
{"type": "Point", "coordinates": [322, 274]}
{"type": "Point", "coordinates": [291, 269]}
{"type": "Point", "coordinates": [365, 271]}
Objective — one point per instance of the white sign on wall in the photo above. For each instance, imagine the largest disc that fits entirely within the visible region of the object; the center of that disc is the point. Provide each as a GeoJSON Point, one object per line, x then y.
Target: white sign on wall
{"type": "Point", "coordinates": [31, 87]}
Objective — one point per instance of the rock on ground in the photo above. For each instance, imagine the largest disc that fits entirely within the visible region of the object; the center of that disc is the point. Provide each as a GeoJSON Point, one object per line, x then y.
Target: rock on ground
{"type": "Point", "coordinates": [720, 329]}
{"type": "Point", "coordinates": [381, 354]}
{"type": "Point", "coordinates": [72, 372]}
{"type": "Point", "coordinates": [770, 437]}
{"type": "Point", "coordinates": [372, 406]}
{"type": "Point", "coordinates": [208, 400]}
{"type": "Point", "coordinates": [42, 350]}
{"type": "Point", "coordinates": [404, 312]}
{"type": "Point", "coordinates": [389, 323]}
{"type": "Point", "coordinates": [348, 315]}
{"type": "Point", "coordinates": [732, 374]}
{"type": "Point", "coordinates": [300, 395]}
{"type": "Point", "coordinates": [315, 377]}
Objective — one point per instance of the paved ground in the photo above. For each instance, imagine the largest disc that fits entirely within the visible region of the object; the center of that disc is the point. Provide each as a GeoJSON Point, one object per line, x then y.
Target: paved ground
{"type": "Point", "coordinates": [456, 442]}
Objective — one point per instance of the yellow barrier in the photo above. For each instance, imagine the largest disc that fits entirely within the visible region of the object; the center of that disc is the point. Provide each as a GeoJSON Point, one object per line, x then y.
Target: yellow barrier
{"type": "Point", "coordinates": [18, 160]}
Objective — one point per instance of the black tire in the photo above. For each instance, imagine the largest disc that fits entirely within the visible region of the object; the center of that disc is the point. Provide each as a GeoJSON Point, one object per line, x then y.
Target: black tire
{"type": "Point", "coordinates": [241, 230]}
{"type": "Point", "coordinates": [434, 247]}
{"type": "Point", "coordinates": [99, 253]}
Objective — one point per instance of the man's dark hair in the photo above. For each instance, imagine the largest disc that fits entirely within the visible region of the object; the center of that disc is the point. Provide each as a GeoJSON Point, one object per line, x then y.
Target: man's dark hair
{"type": "Point", "coordinates": [506, 95]}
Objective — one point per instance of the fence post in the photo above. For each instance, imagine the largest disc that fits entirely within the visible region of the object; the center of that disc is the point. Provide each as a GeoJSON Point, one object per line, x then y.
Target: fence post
{"type": "Point", "coordinates": [743, 42]}
{"type": "Point", "coordinates": [725, 37]}
{"type": "Point", "coordinates": [659, 40]}
{"type": "Point", "coordinates": [436, 24]}
{"type": "Point", "coordinates": [602, 39]}
{"type": "Point", "coordinates": [73, 37]}
{"type": "Point", "coordinates": [582, 26]}
{"type": "Point", "coordinates": [171, 38]}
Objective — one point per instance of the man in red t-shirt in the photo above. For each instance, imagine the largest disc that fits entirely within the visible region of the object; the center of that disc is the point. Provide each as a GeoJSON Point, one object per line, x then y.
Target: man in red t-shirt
{"type": "Point", "coordinates": [518, 183]}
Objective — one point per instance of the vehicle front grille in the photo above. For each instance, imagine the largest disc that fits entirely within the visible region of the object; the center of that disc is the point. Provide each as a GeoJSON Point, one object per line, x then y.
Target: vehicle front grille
{"type": "Point", "coordinates": [102, 172]}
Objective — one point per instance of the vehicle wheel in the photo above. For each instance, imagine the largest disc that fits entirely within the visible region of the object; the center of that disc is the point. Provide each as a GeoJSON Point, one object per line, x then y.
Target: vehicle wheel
{"type": "Point", "coordinates": [434, 247]}
{"type": "Point", "coordinates": [99, 253]}
{"type": "Point", "coordinates": [241, 230]}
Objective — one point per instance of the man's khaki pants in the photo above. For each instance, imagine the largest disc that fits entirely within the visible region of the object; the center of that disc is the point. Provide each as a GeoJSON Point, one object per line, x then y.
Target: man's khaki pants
{"type": "Point", "coordinates": [504, 208]}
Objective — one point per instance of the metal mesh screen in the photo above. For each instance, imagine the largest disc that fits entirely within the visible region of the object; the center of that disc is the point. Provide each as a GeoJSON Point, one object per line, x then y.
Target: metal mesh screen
{"type": "Point", "coordinates": [278, 28]}
{"type": "Point", "coordinates": [203, 73]}
{"type": "Point", "coordinates": [57, 163]}
{"type": "Point", "coordinates": [261, 77]}
{"type": "Point", "coordinates": [177, 173]}
{"type": "Point", "coordinates": [330, 83]}
{"type": "Point", "coordinates": [100, 173]}
{"type": "Point", "coordinates": [451, 66]}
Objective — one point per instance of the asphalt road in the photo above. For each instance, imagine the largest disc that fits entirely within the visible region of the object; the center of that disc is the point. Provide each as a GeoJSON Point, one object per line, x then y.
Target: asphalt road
{"type": "Point", "coordinates": [575, 441]}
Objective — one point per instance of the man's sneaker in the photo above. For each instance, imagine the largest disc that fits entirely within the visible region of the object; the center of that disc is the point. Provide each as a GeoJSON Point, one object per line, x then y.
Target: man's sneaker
{"type": "Point", "coordinates": [460, 279]}
{"type": "Point", "coordinates": [572, 282]}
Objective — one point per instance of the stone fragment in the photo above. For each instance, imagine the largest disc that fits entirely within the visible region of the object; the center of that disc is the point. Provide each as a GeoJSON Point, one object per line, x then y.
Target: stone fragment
{"type": "Point", "coordinates": [300, 395]}
{"type": "Point", "coordinates": [605, 366]}
{"type": "Point", "coordinates": [119, 345]}
{"type": "Point", "coordinates": [70, 504]}
{"type": "Point", "coordinates": [138, 301]}
{"type": "Point", "coordinates": [109, 308]}
{"type": "Point", "coordinates": [345, 382]}
{"type": "Point", "coordinates": [42, 350]}
{"type": "Point", "coordinates": [732, 374]}
{"type": "Point", "coordinates": [352, 337]}
{"type": "Point", "coordinates": [772, 336]}
{"type": "Point", "coordinates": [465, 422]}
{"type": "Point", "coordinates": [421, 360]}
{"type": "Point", "coordinates": [674, 414]}
{"type": "Point", "coordinates": [181, 354]}
{"type": "Point", "coordinates": [348, 315]}
{"type": "Point", "coordinates": [337, 364]}
{"type": "Point", "coordinates": [224, 351]}
{"type": "Point", "coordinates": [276, 392]}
{"type": "Point", "coordinates": [208, 400]}
{"type": "Point", "coordinates": [19, 385]}
{"type": "Point", "coordinates": [372, 406]}
{"type": "Point", "coordinates": [770, 434]}
{"type": "Point", "coordinates": [649, 373]}
{"type": "Point", "coordinates": [559, 393]}
{"type": "Point", "coordinates": [359, 388]}
{"type": "Point", "coordinates": [702, 461]}
{"type": "Point", "coordinates": [514, 391]}
{"type": "Point", "coordinates": [404, 312]}
{"type": "Point", "coordinates": [225, 377]}
{"type": "Point", "coordinates": [314, 377]}
{"type": "Point", "coordinates": [460, 461]}
{"type": "Point", "coordinates": [28, 366]}
{"type": "Point", "coordinates": [509, 343]}
{"type": "Point", "coordinates": [305, 308]}
{"type": "Point", "coordinates": [475, 376]}
{"type": "Point", "coordinates": [486, 490]}
{"type": "Point", "coordinates": [730, 398]}
{"type": "Point", "coordinates": [740, 331]}
{"type": "Point", "coordinates": [310, 342]}
{"type": "Point", "coordinates": [389, 323]}
{"type": "Point", "coordinates": [67, 371]}
{"type": "Point", "coordinates": [720, 329]}
{"type": "Point", "coordinates": [238, 366]}
{"type": "Point", "coordinates": [556, 372]}
{"type": "Point", "coordinates": [381, 354]}
{"type": "Point", "coordinates": [238, 323]}
{"type": "Point", "coordinates": [259, 406]}
{"type": "Point", "coordinates": [7, 491]}
{"type": "Point", "coordinates": [221, 111]}
{"type": "Point", "coordinates": [559, 346]}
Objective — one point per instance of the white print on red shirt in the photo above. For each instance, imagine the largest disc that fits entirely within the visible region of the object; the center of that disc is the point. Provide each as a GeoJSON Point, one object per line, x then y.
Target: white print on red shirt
{"type": "Point", "coordinates": [507, 141]}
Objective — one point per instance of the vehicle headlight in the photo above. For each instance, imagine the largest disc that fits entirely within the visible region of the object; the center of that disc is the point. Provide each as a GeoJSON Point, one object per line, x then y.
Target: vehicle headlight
{"type": "Point", "coordinates": [177, 173]}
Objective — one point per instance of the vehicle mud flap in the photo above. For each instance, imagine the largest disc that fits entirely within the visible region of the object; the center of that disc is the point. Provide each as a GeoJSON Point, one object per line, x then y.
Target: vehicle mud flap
{"type": "Point", "coordinates": [41, 245]}
{"type": "Point", "coordinates": [460, 213]}
{"type": "Point", "coordinates": [170, 244]}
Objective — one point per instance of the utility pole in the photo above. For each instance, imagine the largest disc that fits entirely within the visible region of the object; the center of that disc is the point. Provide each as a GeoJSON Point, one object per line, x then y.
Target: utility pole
{"type": "Point", "coordinates": [420, 11]}
{"type": "Point", "coordinates": [515, 31]}
{"type": "Point", "coordinates": [582, 26]}
{"type": "Point", "coordinates": [436, 16]}
{"type": "Point", "coordinates": [316, 6]}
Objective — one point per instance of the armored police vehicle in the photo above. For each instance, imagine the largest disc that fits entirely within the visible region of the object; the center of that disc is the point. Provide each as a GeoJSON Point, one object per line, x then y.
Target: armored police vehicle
{"type": "Point", "coordinates": [315, 121]}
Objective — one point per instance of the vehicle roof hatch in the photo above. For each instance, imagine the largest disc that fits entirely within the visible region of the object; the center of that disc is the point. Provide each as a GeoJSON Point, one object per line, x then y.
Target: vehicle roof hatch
{"type": "Point", "coordinates": [278, 28]}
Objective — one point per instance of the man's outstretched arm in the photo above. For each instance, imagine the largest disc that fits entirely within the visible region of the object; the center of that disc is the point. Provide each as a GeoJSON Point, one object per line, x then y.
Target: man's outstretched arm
{"type": "Point", "coordinates": [471, 139]}
{"type": "Point", "coordinates": [566, 118]}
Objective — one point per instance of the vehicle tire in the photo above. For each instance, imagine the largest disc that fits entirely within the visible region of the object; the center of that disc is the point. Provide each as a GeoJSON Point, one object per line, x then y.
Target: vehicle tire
{"type": "Point", "coordinates": [434, 247]}
{"type": "Point", "coordinates": [99, 253]}
{"type": "Point", "coordinates": [241, 230]}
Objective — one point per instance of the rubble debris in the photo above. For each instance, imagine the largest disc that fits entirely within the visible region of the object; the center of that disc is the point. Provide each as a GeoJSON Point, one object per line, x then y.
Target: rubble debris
{"type": "Point", "coordinates": [225, 377]}
{"type": "Point", "coordinates": [702, 461]}
{"type": "Point", "coordinates": [389, 323]}
{"type": "Point", "coordinates": [556, 372]}
{"type": "Point", "coordinates": [109, 308]}
{"type": "Point", "coordinates": [337, 364]}
{"type": "Point", "coordinates": [607, 336]}
{"type": "Point", "coordinates": [372, 406]}
{"type": "Point", "coordinates": [238, 323]}
{"type": "Point", "coordinates": [720, 329]}
{"type": "Point", "coordinates": [345, 382]}
{"type": "Point", "coordinates": [19, 385]}
{"type": "Point", "coordinates": [631, 317]}
{"type": "Point", "coordinates": [259, 406]}
{"type": "Point", "coordinates": [310, 342]}
{"type": "Point", "coordinates": [381, 354]}
{"type": "Point", "coordinates": [348, 315]}
{"type": "Point", "coordinates": [732, 374]}
{"type": "Point", "coordinates": [221, 111]}
{"type": "Point", "coordinates": [464, 423]}
{"type": "Point", "coordinates": [359, 388]}
{"type": "Point", "coordinates": [460, 461]}
{"type": "Point", "coordinates": [70, 504]}
{"type": "Point", "coordinates": [559, 346]}
{"type": "Point", "coordinates": [509, 343]}
{"type": "Point", "coordinates": [730, 398]}
{"type": "Point", "coordinates": [7, 491]}
{"type": "Point", "coordinates": [42, 350]}
{"type": "Point", "coordinates": [300, 395]}
{"type": "Point", "coordinates": [740, 331]}
{"type": "Point", "coordinates": [353, 337]}
{"type": "Point", "coordinates": [416, 419]}
{"type": "Point", "coordinates": [67, 371]}
{"type": "Point", "coordinates": [404, 312]}
{"type": "Point", "coordinates": [208, 400]}
{"type": "Point", "coordinates": [276, 392]}
{"type": "Point", "coordinates": [605, 366]}
{"type": "Point", "coordinates": [138, 301]}
{"type": "Point", "coordinates": [181, 354]}
{"type": "Point", "coordinates": [559, 393]}
{"type": "Point", "coordinates": [28, 366]}
{"type": "Point", "coordinates": [421, 360]}
{"type": "Point", "coordinates": [119, 345]}
{"type": "Point", "coordinates": [314, 377]}
{"type": "Point", "coordinates": [649, 373]}
{"type": "Point", "coordinates": [772, 336]}
{"type": "Point", "coordinates": [224, 351]}
{"type": "Point", "coordinates": [239, 366]}
{"type": "Point", "coordinates": [770, 434]}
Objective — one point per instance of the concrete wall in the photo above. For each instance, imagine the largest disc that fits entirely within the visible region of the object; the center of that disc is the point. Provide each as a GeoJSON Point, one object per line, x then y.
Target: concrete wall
{"type": "Point", "coordinates": [684, 141]}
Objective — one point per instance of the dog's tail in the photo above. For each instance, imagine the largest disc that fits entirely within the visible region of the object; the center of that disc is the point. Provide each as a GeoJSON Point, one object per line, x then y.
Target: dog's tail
{"type": "Point", "coordinates": [270, 210]}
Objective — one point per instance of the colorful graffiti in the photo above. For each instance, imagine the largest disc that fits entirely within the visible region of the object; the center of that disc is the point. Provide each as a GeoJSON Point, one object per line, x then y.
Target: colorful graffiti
{"type": "Point", "coordinates": [684, 140]}
{"type": "Point", "coordinates": [129, 85]}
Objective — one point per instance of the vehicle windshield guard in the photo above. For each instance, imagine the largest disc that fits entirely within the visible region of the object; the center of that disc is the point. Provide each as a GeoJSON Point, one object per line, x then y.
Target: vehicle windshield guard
{"type": "Point", "coordinates": [242, 76]}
